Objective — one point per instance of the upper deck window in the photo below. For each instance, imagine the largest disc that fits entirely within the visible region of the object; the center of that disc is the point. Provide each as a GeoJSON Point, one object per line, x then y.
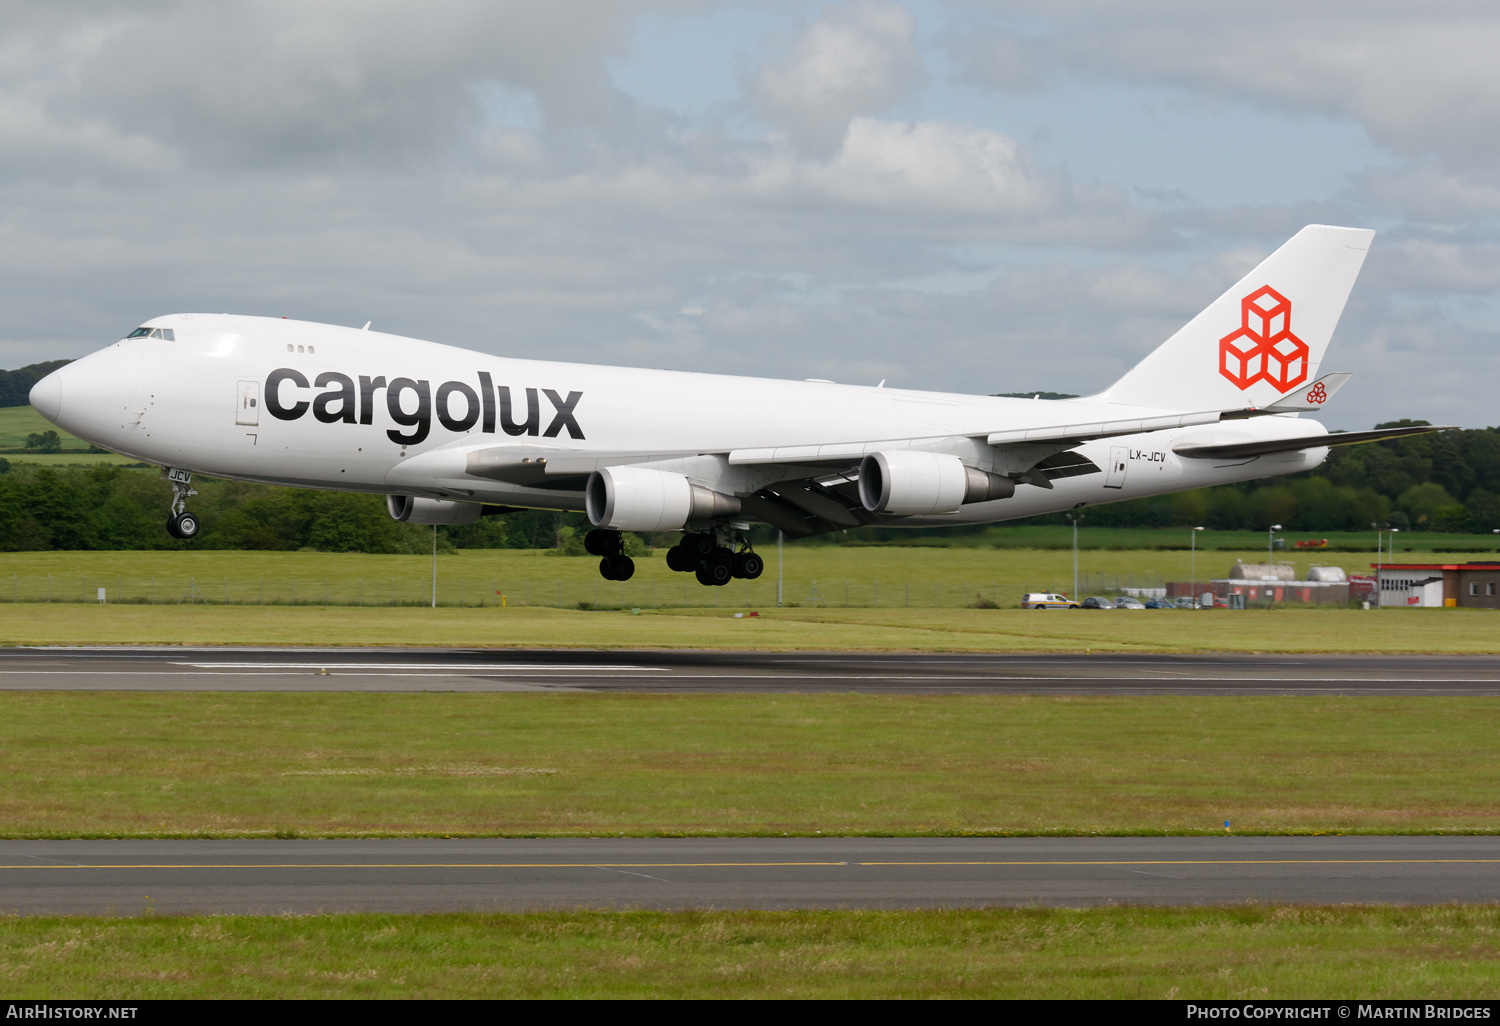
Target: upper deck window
{"type": "Point", "coordinates": [165, 334]}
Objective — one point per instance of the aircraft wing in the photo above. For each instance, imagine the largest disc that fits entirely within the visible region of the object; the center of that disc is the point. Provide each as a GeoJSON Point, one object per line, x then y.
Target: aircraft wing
{"type": "Point", "coordinates": [1239, 450]}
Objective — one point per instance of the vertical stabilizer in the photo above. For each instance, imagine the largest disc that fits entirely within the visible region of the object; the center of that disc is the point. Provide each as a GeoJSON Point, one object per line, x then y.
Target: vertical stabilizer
{"type": "Point", "coordinates": [1262, 338]}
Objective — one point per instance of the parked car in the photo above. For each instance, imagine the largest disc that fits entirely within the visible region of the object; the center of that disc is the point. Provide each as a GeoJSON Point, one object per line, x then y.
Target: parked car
{"type": "Point", "coordinates": [1097, 602]}
{"type": "Point", "coordinates": [1126, 602]}
{"type": "Point", "coordinates": [1186, 602]}
{"type": "Point", "coordinates": [1046, 600]}
{"type": "Point", "coordinates": [1159, 603]}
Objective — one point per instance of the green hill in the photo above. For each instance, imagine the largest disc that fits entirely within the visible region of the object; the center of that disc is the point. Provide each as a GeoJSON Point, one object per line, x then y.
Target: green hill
{"type": "Point", "coordinates": [15, 385]}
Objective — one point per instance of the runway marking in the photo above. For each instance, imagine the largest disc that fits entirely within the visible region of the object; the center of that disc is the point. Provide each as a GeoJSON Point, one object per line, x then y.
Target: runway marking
{"type": "Point", "coordinates": [754, 865]}
{"type": "Point", "coordinates": [412, 666]}
{"type": "Point", "coordinates": [568, 672]}
{"type": "Point", "coordinates": [309, 671]}
{"type": "Point", "coordinates": [643, 876]}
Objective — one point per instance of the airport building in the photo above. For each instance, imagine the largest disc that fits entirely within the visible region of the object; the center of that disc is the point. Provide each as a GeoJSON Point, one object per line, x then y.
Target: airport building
{"type": "Point", "coordinates": [1473, 585]}
{"type": "Point", "coordinates": [1268, 584]}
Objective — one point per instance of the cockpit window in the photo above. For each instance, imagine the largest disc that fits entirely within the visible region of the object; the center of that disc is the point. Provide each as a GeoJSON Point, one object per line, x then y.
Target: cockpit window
{"type": "Point", "coordinates": [165, 334]}
{"type": "Point", "coordinates": [139, 333]}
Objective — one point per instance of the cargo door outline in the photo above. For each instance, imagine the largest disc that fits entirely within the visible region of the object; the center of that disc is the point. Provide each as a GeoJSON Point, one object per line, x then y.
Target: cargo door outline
{"type": "Point", "coordinates": [247, 406]}
{"type": "Point", "coordinates": [1115, 478]}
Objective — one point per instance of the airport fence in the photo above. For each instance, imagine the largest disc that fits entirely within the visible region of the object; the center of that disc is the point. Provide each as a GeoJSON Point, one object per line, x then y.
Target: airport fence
{"type": "Point", "coordinates": [655, 592]}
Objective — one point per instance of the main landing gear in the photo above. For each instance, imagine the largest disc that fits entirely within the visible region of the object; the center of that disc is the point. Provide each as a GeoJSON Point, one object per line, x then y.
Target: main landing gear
{"type": "Point", "coordinates": [710, 556]}
{"type": "Point", "coordinates": [714, 564]}
{"type": "Point", "coordinates": [614, 564]}
{"type": "Point", "coordinates": [181, 523]}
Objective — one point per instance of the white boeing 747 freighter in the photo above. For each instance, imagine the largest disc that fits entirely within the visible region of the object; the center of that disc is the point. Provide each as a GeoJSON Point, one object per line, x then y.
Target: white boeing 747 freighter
{"type": "Point", "coordinates": [449, 434]}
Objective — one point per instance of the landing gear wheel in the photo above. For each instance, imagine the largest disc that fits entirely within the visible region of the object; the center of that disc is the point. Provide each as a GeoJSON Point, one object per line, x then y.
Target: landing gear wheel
{"type": "Point", "coordinates": [603, 543]}
{"type": "Point", "coordinates": [721, 557]}
{"type": "Point", "coordinates": [679, 560]}
{"type": "Point", "coordinates": [617, 568]}
{"type": "Point", "coordinates": [748, 566]}
{"type": "Point", "coordinates": [183, 525]}
{"type": "Point", "coordinates": [714, 574]}
{"type": "Point", "coordinates": [699, 546]}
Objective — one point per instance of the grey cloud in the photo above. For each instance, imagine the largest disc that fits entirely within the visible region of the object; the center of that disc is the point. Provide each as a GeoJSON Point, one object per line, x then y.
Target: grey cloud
{"type": "Point", "coordinates": [857, 59]}
{"type": "Point", "coordinates": [610, 233]}
{"type": "Point", "coordinates": [1419, 79]}
{"type": "Point", "coordinates": [274, 81]}
{"type": "Point", "coordinates": [1430, 190]}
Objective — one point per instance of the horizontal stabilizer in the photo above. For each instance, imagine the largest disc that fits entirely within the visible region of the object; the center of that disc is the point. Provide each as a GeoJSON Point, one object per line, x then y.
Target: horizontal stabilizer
{"type": "Point", "coordinates": [1244, 450]}
{"type": "Point", "coordinates": [1307, 399]}
{"type": "Point", "coordinates": [1310, 397]}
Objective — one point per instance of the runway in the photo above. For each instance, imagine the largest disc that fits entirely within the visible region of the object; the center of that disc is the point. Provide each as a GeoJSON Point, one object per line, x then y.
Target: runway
{"type": "Point", "coordinates": [308, 876]}
{"type": "Point", "coordinates": [407, 670]}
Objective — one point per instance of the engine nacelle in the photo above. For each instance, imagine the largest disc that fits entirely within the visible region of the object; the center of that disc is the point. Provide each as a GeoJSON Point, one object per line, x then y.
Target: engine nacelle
{"type": "Point", "coordinates": [411, 510]}
{"type": "Point", "coordinates": [640, 499]}
{"type": "Point", "coordinates": [912, 483]}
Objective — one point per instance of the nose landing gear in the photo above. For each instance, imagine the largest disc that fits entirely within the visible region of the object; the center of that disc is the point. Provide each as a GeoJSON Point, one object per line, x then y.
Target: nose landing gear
{"type": "Point", "coordinates": [181, 523]}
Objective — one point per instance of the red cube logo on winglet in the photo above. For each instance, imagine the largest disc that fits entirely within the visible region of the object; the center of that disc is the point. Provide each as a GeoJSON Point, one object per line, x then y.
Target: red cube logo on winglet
{"type": "Point", "coordinates": [1263, 348]}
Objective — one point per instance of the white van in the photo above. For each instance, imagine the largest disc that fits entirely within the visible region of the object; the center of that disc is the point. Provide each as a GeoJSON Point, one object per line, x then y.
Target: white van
{"type": "Point", "coordinates": [1046, 600]}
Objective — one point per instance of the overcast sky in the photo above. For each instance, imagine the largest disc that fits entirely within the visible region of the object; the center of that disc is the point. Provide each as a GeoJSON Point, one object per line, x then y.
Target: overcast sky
{"type": "Point", "coordinates": [952, 194]}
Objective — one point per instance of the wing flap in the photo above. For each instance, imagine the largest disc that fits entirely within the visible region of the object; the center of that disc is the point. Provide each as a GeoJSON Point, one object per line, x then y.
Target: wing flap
{"type": "Point", "coordinates": [837, 454]}
{"type": "Point", "coordinates": [1102, 429]}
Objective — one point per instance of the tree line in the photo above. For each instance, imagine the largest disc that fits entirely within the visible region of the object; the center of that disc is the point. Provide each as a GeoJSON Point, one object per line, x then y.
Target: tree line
{"type": "Point", "coordinates": [15, 385]}
{"type": "Point", "coordinates": [113, 507]}
{"type": "Point", "coordinates": [1443, 482]}
{"type": "Point", "coordinates": [1448, 482]}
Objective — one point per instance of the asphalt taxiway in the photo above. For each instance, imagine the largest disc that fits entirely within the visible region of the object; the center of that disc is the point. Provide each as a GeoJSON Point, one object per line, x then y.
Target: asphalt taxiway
{"type": "Point", "coordinates": [418, 875]}
{"type": "Point", "coordinates": [397, 670]}
{"type": "Point", "coordinates": [433, 875]}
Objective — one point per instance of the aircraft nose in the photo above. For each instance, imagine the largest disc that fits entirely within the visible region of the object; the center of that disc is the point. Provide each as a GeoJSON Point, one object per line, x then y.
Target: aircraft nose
{"type": "Point", "coordinates": [46, 395]}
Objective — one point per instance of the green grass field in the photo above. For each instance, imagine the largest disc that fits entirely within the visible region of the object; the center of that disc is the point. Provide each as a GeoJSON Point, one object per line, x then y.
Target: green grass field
{"type": "Point", "coordinates": [878, 630]}
{"type": "Point", "coordinates": [1249, 953]}
{"type": "Point", "coordinates": [813, 577]}
{"type": "Point", "coordinates": [16, 422]}
{"type": "Point", "coordinates": [569, 764]}
{"type": "Point", "coordinates": [1340, 543]}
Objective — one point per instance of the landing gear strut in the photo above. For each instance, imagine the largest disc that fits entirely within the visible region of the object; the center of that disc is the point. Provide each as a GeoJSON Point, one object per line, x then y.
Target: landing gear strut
{"type": "Point", "coordinates": [181, 523]}
{"type": "Point", "coordinates": [614, 565]}
{"type": "Point", "coordinates": [712, 558]}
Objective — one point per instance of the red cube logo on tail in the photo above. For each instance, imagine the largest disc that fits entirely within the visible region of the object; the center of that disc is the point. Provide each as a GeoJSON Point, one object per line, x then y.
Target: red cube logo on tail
{"type": "Point", "coordinates": [1263, 348]}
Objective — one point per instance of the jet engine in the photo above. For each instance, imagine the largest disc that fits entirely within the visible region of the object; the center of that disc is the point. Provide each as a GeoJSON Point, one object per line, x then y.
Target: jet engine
{"type": "Point", "coordinates": [908, 482]}
{"type": "Point", "coordinates": [640, 499]}
{"type": "Point", "coordinates": [411, 510]}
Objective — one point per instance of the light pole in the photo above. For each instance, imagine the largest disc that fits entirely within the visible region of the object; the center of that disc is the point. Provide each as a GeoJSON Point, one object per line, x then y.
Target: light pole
{"type": "Point", "coordinates": [1193, 572]}
{"type": "Point", "coordinates": [1074, 520]}
{"type": "Point", "coordinates": [1271, 542]}
{"type": "Point", "coordinates": [780, 535]}
{"type": "Point", "coordinates": [1378, 561]}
